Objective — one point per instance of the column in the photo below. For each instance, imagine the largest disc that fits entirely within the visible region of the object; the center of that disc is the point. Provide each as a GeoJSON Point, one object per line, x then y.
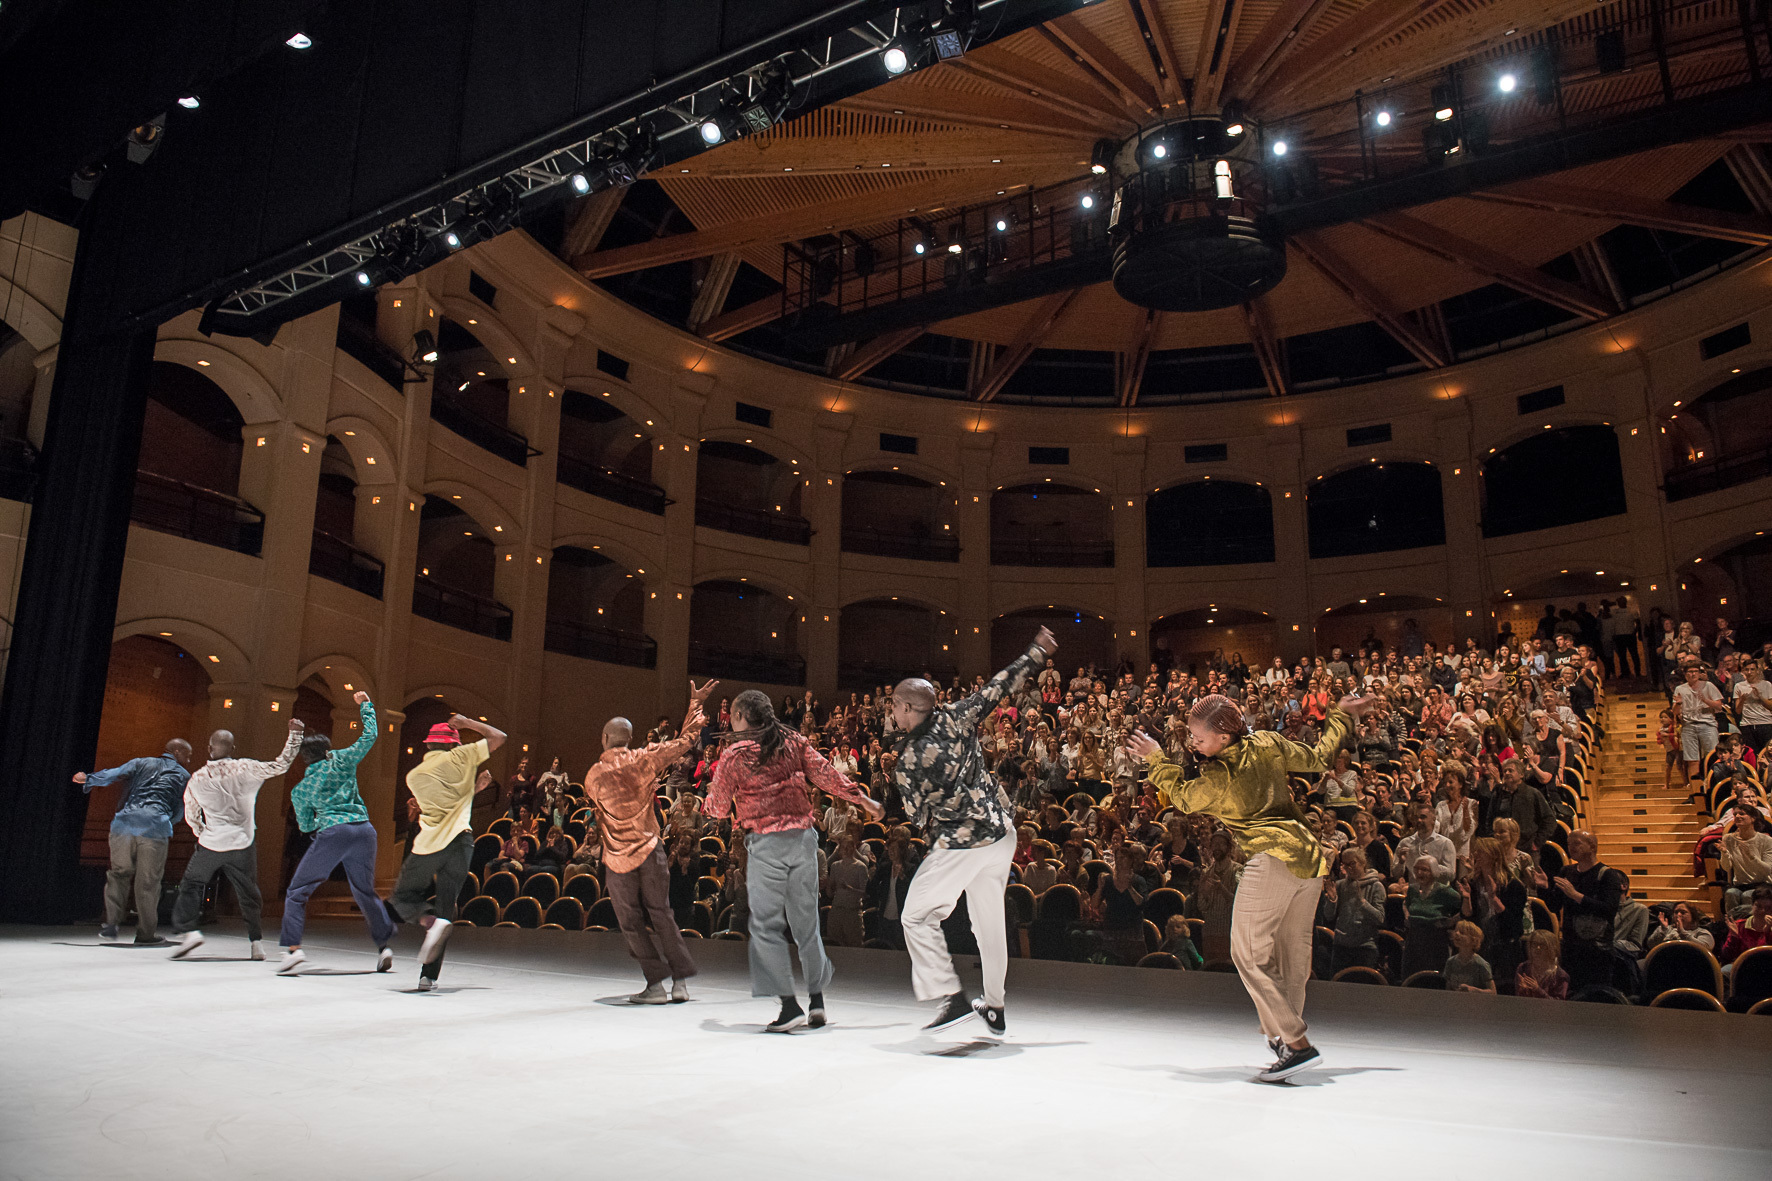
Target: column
{"type": "Point", "coordinates": [1467, 590]}
{"type": "Point", "coordinates": [972, 654]}
{"type": "Point", "coordinates": [1292, 605]}
{"type": "Point", "coordinates": [1126, 513]}
{"type": "Point", "coordinates": [821, 499]}
{"type": "Point", "coordinates": [668, 595]}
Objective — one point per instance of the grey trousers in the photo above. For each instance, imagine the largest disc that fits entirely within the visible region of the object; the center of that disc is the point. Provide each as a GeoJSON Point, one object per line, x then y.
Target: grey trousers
{"type": "Point", "coordinates": [143, 861]}
{"type": "Point", "coordinates": [781, 881]}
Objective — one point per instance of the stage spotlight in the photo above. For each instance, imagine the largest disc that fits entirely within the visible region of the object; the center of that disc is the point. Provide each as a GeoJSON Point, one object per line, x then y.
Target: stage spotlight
{"type": "Point", "coordinates": [144, 139]}
{"type": "Point", "coordinates": [424, 346]}
{"type": "Point", "coordinates": [1003, 222]}
{"type": "Point", "coordinates": [1221, 180]}
{"type": "Point", "coordinates": [1442, 96]}
{"type": "Point", "coordinates": [1383, 118]}
{"type": "Point", "coordinates": [1088, 201]}
{"type": "Point", "coordinates": [363, 279]}
{"type": "Point", "coordinates": [1234, 129]}
{"type": "Point", "coordinates": [581, 184]}
{"type": "Point", "coordinates": [300, 41]}
{"type": "Point", "coordinates": [1101, 156]}
{"type": "Point", "coordinates": [1279, 147]}
{"type": "Point", "coordinates": [895, 59]}
{"type": "Point", "coordinates": [190, 102]}
{"type": "Point", "coordinates": [1506, 83]}
{"type": "Point", "coordinates": [452, 239]}
{"type": "Point", "coordinates": [1443, 114]}
{"type": "Point", "coordinates": [711, 132]}
{"type": "Point", "coordinates": [955, 248]}
{"type": "Point", "coordinates": [919, 247]}
{"type": "Point", "coordinates": [1159, 150]}
{"type": "Point", "coordinates": [84, 183]}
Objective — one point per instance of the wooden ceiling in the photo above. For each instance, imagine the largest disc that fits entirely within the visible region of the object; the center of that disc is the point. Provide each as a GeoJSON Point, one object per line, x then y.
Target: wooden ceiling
{"type": "Point", "coordinates": [1025, 111]}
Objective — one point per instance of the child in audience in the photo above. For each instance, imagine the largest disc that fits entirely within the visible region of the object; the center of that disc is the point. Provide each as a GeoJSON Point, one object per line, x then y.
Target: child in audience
{"type": "Point", "coordinates": [1540, 975]}
{"type": "Point", "coordinates": [1465, 970]}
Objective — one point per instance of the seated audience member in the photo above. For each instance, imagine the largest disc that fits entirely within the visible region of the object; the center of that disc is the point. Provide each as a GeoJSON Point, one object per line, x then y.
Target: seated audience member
{"type": "Point", "coordinates": [846, 881]}
{"type": "Point", "coordinates": [1353, 904]}
{"type": "Point", "coordinates": [1179, 943]}
{"type": "Point", "coordinates": [1683, 926]}
{"type": "Point", "coordinates": [1041, 874]}
{"type": "Point", "coordinates": [1433, 907]}
{"type": "Point", "coordinates": [587, 858]}
{"type": "Point", "coordinates": [510, 854]}
{"type": "Point", "coordinates": [1746, 858]}
{"type": "Point", "coordinates": [1749, 932]}
{"type": "Point", "coordinates": [1465, 970]}
{"type": "Point", "coordinates": [1378, 854]}
{"type": "Point", "coordinates": [1541, 976]}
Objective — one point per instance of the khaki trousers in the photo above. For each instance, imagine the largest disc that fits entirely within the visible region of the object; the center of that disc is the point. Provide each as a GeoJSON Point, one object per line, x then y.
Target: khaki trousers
{"type": "Point", "coordinates": [1271, 924]}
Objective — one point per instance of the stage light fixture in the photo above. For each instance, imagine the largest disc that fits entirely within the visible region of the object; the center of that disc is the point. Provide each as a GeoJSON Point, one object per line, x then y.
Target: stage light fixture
{"type": "Point", "coordinates": [919, 247]}
{"type": "Point", "coordinates": [955, 248]}
{"type": "Point", "coordinates": [84, 183]}
{"type": "Point", "coordinates": [1383, 118]}
{"type": "Point", "coordinates": [1002, 224]}
{"type": "Point", "coordinates": [1443, 114]}
{"type": "Point", "coordinates": [1442, 98]}
{"type": "Point", "coordinates": [452, 239]}
{"type": "Point", "coordinates": [1159, 150]}
{"type": "Point", "coordinates": [144, 139]}
{"type": "Point", "coordinates": [1221, 179]}
{"type": "Point", "coordinates": [300, 41]}
{"type": "Point", "coordinates": [948, 45]}
{"type": "Point", "coordinates": [1088, 201]}
{"type": "Point", "coordinates": [424, 346]}
{"type": "Point", "coordinates": [1506, 83]}
{"type": "Point", "coordinates": [895, 59]}
{"type": "Point", "coordinates": [711, 132]}
{"type": "Point", "coordinates": [581, 184]}
{"type": "Point", "coordinates": [1101, 156]}
{"type": "Point", "coordinates": [363, 279]}
{"type": "Point", "coordinates": [1279, 147]}
{"type": "Point", "coordinates": [190, 102]}
{"type": "Point", "coordinates": [1234, 129]}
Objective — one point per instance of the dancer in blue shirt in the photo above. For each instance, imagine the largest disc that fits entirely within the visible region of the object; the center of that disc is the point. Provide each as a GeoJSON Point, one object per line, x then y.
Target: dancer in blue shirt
{"type": "Point", "coordinates": [140, 832]}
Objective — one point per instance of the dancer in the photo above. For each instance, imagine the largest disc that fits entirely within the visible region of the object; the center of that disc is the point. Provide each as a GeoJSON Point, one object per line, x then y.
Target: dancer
{"type": "Point", "coordinates": [443, 785]}
{"type": "Point", "coordinates": [622, 787]}
{"type": "Point", "coordinates": [968, 823]}
{"type": "Point", "coordinates": [327, 804]}
{"type": "Point", "coordinates": [767, 777]}
{"type": "Point", "coordinates": [140, 833]}
{"type": "Point", "coordinates": [219, 807]}
{"type": "Point", "coordinates": [1243, 783]}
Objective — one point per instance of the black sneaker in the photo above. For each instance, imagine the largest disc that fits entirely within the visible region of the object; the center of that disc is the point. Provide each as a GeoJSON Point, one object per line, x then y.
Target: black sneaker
{"type": "Point", "coordinates": [956, 1010]}
{"type": "Point", "coordinates": [815, 1011]}
{"type": "Point", "coordinates": [1289, 1063]}
{"type": "Point", "coordinates": [991, 1015]}
{"type": "Point", "coordinates": [1276, 1046]}
{"type": "Point", "coordinates": [792, 1017]}
{"type": "Point", "coordinates": [107, 931]}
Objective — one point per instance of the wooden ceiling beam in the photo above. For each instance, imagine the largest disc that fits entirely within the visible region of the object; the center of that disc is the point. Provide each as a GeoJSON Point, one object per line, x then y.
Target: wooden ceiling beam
{"type": "Point", "coordinates": [740, 320]}
{"type": "Point", "coordinates": [1170, 83]}
{"type": "Point", "coordinates": [1277, 38]}
{"type": "Point", "coordinates": [1343, 276]}
{"type": "Point", "coordinates": [1750, 229]}
{"type": "Point", "coordinates": [1087, 49]}
{"type": "Point", "coordinates": [1747, 162]}
{"type": "Point", "coordinates": [921, 150]}
{"type": "Point", "coordinates": [1212, 60]}
{"type": "Point", "coordinates": [1129, 367]}
{"type": "Point", "coordinates": [588, 220]}
{"type": "Point", "coordinates": [1046, 315]}
{"type": "Point", "coordinates": [716, 285]}
{"type": "Point", "coordinates": [971, 110]}
{"type": "Point", "coordinates": [1266, 345]}
{"type": "Point", "coordinates": [806, 221]}
{"type": "Point", "coordinates": [1367, 27]}
{"type": "Point", "coordinates": [866, 356]}
{"type": "Point", "coordinates": [1035, 83]}
{"type": "Point", "coordinates": [1474, 256]}
{"type": "Point", "coordinates": [1597, 272]}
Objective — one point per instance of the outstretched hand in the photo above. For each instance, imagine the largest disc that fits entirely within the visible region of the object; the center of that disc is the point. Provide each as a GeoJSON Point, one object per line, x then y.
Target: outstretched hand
{"type": "Point", "coordinates": [297, 726]}
{"type": "Point", "coordinates": [874, 808]}
{"type": "Point", "coordinates": [1046, 641]}
{"type": "Point", "coordinates": [360, 697]}
{"type": "Point", "coordinates": [1360, 706]}
{"type": "Point", "coordinates": [697, 696]}
{"type": "Point", "coordinates": [1142, 746]}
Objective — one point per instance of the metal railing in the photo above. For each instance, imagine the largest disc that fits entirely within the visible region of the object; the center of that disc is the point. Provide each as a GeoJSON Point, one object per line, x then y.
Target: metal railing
{"type": "Point", "coordinates": [925, 547]}
{"type": "Point", "coordinates": [18, 469]}
{"type": "Point", "coordinates": [611, 485]}
{"type": "Point", "coordinates": [479, 430]}
{"type": "Point", "coordinates": [711, 660]}
{"type": "Point", "coordinates": [753, 522]}
{"type": "Point", "coordinates": [1714, 475]}
{"type": "Point", "coordinates": [1033, 552]}
{"type": "Point", "coordinates": [337, 560]}
{"type": "Point", "coordinates": [1219, 551]}
{"type": "Point", "coordinates": [200, 514]}
{"type": "Point", "coordinates": [865, 675]}
{"type": "Point", "coordinates": [461, 609]}
{"type": "Point", "coordinates": [358, 340]}
{"type": "Point", "coordinates": [608, 644]}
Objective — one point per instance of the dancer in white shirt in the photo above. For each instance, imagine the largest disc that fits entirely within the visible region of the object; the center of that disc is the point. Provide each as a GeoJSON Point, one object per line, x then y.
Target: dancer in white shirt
{"type": "Point", "coordinates": [219, 806]}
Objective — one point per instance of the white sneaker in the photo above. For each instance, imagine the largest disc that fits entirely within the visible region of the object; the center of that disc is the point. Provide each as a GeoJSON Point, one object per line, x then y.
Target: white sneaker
{"type": "Point", "coordinates": [679, 991]}
{"type": "Point", "coordinates": [292, 962]}
{"type": "Point", "coordinates": [258, 950]}
{"type": "Point", "coordinates": [654, 995]}
{"type": "Point", "coordinates": [435, 938]}
{"type": "Point", "coordinates": [192, 941]}
{"type": "Point", "coordinates": [384, 959]}
{"type": "Point", "coordinates": [426, 984]}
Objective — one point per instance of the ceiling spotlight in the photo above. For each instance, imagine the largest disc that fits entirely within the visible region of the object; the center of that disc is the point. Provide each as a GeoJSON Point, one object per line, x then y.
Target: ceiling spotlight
{"type": "Point", "coordinates": [424, 346]}
{"type": "Point", "coordinates": [300, 41]}
{"type": "Point", "coordinates": [1088, 201]}
{"type": "Point", "coordinates": [1102, 155]}
{"type": "Point", "coordinates": [1159, 150]}
{"type": "Point", "coordinates": [1506, 83]}
{"type": "Point", "coordinates": [190, 102]}
{"type": "Point", "coordinates": [1279, 147]}
{"type": "Point", "coordinates": [84, 183]}
{"type": "Point", "coordinates": [920, 248]}
{"type": "Point", "coordinates": [1234, 129]}
{"type": "Point", "coordinates": [144, 139]}
{"type": "Point", "coordinates": [711, 131]}
{"type": "Point", "coordinates": [363, 279]}
{"type": "Point", "coordinates": [452, 240]}
{"type": "Point", "coordinates": [895, 59]}
{"type": "Point", "coordinates": [1383, 118]}
{"type": "Point", "coordinates": [1443, 114]}
{"type": "Point", "coordinates": [581, 184]}
{"type": "Point", "coordinates": [1002, 224]}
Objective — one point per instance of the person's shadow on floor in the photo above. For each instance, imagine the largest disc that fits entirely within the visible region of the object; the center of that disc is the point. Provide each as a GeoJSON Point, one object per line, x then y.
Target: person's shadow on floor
{"type": "Point", "coordinates": [1323, 1077]}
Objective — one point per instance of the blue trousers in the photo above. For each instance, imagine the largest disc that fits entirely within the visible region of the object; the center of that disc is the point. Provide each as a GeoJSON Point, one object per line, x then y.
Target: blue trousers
{"type": "Point", "coordinates": [350, 845]}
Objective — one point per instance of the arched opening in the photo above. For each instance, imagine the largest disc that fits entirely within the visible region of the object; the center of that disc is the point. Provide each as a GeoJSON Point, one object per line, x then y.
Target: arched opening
{"type": "Point", "coordinates": [1733, 442]}
{"type": "Point", "coordinates": [155, 691]}
{"type": "Point", "coordinates": [1385, 621]}
{"type": "Point", "coordinates": [897, 515]}
{"type": "Point", "coordinates": [606, 453]}
{"type": "Point", "coordinates": [597, 609]}
{"type": "Point", "coordinates": [1735, 584]}
{"type": "Point", "coordinates": [1535, 608]}
{"type": "Point", "coordinates": [1048, 524]}
{"type": "Point", "coordinates": [741, 489]}
{"type": "Point", "coordinates": [187, 480]}
{"type": "Point", "coordinates": [1209, 523]}
{"type": "Point", "coordinates": [457, 559]}
{"type": "Point", "coordinates": [1085, 640]}
{"type": "Point", "coordinates": [883, 641]}
{"type": "Point", "coordinates": [18, 384]}
{"type": "Point", "coordinates": [1556, 477]}
{"type": "Point", "coordinates": [470, 395]}
{"type": "Point", "coordinates": [421, 714]}
{"type": "Point", "coordinates": [1375, 508]}
{"type": "Point", "coordinates": [1207, 637]}
{"type": "Point", "coordinates": [334, 554]}
{"type": "Point", "coordinates": [744, 632]}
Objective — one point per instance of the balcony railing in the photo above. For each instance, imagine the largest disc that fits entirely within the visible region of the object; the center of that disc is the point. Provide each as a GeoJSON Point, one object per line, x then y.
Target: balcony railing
{"type": "Point", "coordinates": [608, 644]}
{"type": "Point", "coordinates": [612, 485]}
{"type": "Point", "coordinates": [753, 522]}
{"type": "Point", "coordinates": [1714, 475]}
{"type": "Point", "coordinates": [864, 675]}
{"type": "Point", "coordinates": [356, 339]}
{"type": "Point", "coordinates": [710, 660]}
{"type": "Point", "coordinates": [478, 430]}
{"type": "Point", "coordinates": [458, 608]}
{"type": "Point", "coordinates": [337, 560]}
{"type": "Point", "coordinates": [200, 514]}
{"type": "Point", "coordinates": [18, 469]}
{"type": "Point", "coordinates": [940, 548]}
{"type": "Point", "coordinates": [1222, 551]}
{"type": "Point", "coordinates": [1009, 552]}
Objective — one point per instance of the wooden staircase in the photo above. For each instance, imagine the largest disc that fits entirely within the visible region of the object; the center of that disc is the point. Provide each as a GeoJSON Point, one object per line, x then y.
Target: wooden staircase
{"type": "Point", "coordinates": [1643, 828]}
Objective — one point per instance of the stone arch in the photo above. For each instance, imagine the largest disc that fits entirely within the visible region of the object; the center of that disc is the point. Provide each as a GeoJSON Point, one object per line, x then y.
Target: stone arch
{"type": "Point", "coordinates": [371, 454]}
{"type": "Point", "coordinates": [251, 393]}
{"type": "Point", "coordinates": [487, 327]}
{"type": "Point", "coordinates": [342, 674]}
{"type": "Point", "coordinates": [220, 657]}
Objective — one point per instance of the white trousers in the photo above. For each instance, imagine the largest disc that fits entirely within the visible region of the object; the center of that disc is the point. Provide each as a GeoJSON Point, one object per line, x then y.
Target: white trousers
{"type": "Point", "coordinates": [943, 876]}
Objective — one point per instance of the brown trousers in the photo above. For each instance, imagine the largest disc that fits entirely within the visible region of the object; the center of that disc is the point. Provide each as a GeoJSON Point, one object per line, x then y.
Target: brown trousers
{"type": "Point", "coordinates": [642, 900]}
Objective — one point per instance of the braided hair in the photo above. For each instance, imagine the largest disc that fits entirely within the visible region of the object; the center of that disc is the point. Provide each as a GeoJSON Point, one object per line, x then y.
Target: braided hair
{"type": "Point", "coordinates": [765, 729]}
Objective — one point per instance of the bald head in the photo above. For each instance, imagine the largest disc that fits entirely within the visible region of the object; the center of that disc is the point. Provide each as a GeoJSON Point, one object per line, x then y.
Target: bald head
{"type": "Point", "coordinates": [179, 749]}
{"type": "Point", "coordinates": [617, 733]}
{"type": "Point", "coordinates": [221, 744]}
{"type": "Point", "coordinates": [912, 702]}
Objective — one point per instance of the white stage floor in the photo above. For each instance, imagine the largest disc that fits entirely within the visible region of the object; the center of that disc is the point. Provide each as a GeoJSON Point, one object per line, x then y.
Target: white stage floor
{"type": "Point", "coordinates": [119, 1063]}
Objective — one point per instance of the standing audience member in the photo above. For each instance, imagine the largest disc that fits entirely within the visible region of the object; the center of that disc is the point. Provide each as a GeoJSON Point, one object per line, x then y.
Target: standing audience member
{"type": "Point", "coordinates": [1586, 893]}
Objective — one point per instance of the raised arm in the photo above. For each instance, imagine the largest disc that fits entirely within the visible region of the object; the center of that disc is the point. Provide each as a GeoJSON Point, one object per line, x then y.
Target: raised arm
{"type": "Point", "coordinates": [832, 782]}
{"type": "Point", "coordinates": [280, 764]}
{"type": "Point", "coordinates": [495, 737]}
{"type": "Point", "coordinates": [1006, 682]}
{"type": "Point", "coordinates": [90, 780]}
{"type": "Point", "coordinates": [354, 753]}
